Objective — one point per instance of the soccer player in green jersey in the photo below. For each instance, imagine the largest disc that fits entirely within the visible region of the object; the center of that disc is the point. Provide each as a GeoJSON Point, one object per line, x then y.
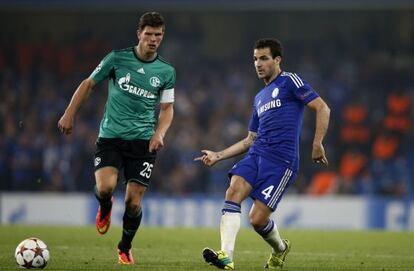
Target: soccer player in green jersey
{"type": "Point", "coordinates": [129, 135]}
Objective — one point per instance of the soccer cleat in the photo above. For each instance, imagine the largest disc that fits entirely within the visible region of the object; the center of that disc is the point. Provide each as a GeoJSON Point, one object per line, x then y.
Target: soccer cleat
{"type": "Point", "coordinates": [125, 258]}
{"type": "Point", "coordinates": [219, 259]}
{"type": "Point", "coordinates": [103, 223]}
{"type": "Point", "coordinates": [276, 261]}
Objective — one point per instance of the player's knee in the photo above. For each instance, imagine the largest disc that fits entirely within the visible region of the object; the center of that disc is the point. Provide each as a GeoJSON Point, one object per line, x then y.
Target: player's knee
{"type": "Point", "coordinates": [105, 188]}
{"type": "Point", "coordinates": [105, 191]}
{"type": "Point", "coordinates": [131, 207]}
{"type": "Point", "coordinates": [238, 190]}
{"type": "Point", "coordinates": [231, 193]}
{"type": "Point", "coordinates": [254, 222]}
{"type": "Point", "coordinates": [257, 221]}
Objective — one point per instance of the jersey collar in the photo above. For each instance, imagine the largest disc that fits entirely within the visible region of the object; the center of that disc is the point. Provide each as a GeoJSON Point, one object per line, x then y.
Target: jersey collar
{"type": "Point", "coordinates": [145, 61]}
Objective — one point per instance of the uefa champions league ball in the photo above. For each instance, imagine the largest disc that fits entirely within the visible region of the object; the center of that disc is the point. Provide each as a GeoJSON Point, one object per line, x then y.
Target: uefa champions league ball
{"type": "Point", "coordinates": [32, 253]}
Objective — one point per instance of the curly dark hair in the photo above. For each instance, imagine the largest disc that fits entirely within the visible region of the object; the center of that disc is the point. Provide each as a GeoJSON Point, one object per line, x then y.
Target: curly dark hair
{"type": "Point", "coordinates": [274, 45]}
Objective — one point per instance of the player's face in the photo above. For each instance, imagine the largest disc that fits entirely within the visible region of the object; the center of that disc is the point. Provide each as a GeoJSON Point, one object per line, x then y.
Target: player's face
{"type": "Point", "coordinates": [150, 38]}
{"type": "Point", "coordinates": [266, 66]}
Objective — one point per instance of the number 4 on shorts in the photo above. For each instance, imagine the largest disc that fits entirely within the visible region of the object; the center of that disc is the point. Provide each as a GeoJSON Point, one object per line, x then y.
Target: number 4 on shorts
{"type": "Point", "coordinates": [267, 192]}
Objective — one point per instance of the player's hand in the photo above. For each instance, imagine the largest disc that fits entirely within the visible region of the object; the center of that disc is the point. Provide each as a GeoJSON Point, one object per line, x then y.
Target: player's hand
{"type": "Point", "coordinates": [318, 154]}
{"type": "Point", "coordinates": [65, 124]}
{"type": "Point", "coordinates": [209, 158]}
{"type": "Point", "coordinates": [156, 142]}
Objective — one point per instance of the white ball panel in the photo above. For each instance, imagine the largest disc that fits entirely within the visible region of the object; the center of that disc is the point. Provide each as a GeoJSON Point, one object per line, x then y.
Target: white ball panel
{"type": "Point", "coordinates": [41, 244]}
{"type": "Point", "coordinates": [46, 255]}
{"type": "Point", "coordinates": [38, 261]}
{"type": "Point", "coordinates": [19, 259]}
{"type": "Point", "coordinates": [21, 243]}
{"type": "Point", "coordinates": [31, 244]}
{"type": "Point", "coordinates": [28, 255]}
{"type": "Point", "coordinates": [17, 250]}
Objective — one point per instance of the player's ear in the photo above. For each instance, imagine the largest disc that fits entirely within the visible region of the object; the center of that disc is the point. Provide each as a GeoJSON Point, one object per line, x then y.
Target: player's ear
{"type": "Point", "coordinates": [138, 33]}
{"type": "Point", "coordinates": [278, 59]}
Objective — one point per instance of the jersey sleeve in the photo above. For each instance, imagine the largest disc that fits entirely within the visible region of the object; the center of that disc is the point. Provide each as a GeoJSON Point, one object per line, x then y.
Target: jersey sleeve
{"type": "Point", "coordinates": [167, 91]}
{"type": "Point", "coordinates": [170, 80]}
{"type": "Point", "coordinates": [301, 89]}
{"type": "Point", "coordinates": [104, 69]}
{"type": "Point", "coordinates": [254, 121]}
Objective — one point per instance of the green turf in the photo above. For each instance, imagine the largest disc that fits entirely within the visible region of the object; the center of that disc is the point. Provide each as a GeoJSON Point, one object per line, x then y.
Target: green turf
{"type": "Point", "coordinates": [81, 248]}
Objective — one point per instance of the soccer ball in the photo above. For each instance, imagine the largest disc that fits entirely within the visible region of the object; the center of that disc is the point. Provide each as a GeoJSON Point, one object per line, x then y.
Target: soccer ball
{"type": "Point", "coordinates": [32, 253]}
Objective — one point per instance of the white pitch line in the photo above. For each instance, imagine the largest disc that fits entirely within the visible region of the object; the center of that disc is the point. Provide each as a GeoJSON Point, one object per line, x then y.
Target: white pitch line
{"type": "Point", "coordinates": [330, 254]}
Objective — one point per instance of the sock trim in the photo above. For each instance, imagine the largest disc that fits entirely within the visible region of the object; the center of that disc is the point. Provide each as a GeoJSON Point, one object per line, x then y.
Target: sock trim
{"type": "Point", "coordinates": [265, 230]}
{"type": "Point", "coordinates": [99, 197]}
{"type": "Point", "coordinates": [135, 215]}
{"type": "Point", "coordinates": [231, 207]}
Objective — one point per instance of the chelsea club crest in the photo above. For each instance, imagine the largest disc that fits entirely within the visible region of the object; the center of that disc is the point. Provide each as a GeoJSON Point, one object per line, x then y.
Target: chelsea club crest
{"type": "Point", "coordinates": [275, 92]}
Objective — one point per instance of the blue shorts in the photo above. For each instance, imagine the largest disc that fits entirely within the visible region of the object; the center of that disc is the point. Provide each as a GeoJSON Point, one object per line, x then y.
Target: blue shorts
{"type": "Point", "coordinates": [268, 179]}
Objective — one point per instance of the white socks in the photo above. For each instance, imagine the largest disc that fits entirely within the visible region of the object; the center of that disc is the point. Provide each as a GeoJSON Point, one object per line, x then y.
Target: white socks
{"type": "Point", "coordinates": [229, 227]}
{"type": "Point", "coordinates": [274, 240]}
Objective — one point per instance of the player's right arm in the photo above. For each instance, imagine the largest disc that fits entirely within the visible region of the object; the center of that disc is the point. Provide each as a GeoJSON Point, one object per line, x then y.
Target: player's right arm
{"type": "Point", "coordinates": [81, 94]}
{"type": "Point", "coordinates": [102, 71]}
{"type": "Point", "coordinates": [209, 158]}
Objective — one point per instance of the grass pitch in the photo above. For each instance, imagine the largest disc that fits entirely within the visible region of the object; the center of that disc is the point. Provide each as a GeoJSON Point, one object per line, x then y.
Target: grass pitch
{"type": "Point", "coordinates": [81, 248]}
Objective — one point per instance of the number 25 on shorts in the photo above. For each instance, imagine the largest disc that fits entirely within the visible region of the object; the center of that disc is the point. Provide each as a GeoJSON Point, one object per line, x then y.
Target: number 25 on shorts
{"type": "Point", "coordinates": [146, 172]}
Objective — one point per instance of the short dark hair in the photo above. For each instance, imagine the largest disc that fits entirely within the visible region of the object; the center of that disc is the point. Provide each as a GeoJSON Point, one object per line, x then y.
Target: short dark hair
{"type": "Point", "coordinates": [153, 19]}
{"type": "Point", "coordinates": [274, 45]}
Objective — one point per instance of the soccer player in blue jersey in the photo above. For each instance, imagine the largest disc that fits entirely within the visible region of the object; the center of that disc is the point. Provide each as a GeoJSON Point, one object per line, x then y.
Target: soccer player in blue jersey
{"type": "Point", "coordinates": [272, 161]}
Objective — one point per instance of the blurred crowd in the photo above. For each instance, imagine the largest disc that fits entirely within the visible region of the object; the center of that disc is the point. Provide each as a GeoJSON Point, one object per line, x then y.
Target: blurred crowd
{"type": "Point", "coordinates": [365, 79]}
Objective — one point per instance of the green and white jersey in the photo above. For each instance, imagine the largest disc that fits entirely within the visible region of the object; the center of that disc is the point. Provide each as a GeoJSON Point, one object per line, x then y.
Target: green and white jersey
{"type": "Point", "coordinates": [134, 90]}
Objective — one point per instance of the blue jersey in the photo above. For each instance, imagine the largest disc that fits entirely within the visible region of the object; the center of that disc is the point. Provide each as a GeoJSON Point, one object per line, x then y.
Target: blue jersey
{"type": "Point", "coordinates": [277, 118]}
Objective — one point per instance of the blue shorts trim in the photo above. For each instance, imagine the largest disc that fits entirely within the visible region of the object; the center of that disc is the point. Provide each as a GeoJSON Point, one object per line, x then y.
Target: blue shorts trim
{"type": "Point", "coordinates": [274, 200]}
{"type": "Point", "coordinates": [269, 179]}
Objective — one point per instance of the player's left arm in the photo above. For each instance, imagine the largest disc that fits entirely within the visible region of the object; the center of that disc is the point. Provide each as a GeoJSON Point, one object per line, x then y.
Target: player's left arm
{"type": "Point", "coordinates": [166, 114]}
{"type": "Point", "coordinates": [165, 118]}
{"type": "Point", "coordinates": [322, 122]}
